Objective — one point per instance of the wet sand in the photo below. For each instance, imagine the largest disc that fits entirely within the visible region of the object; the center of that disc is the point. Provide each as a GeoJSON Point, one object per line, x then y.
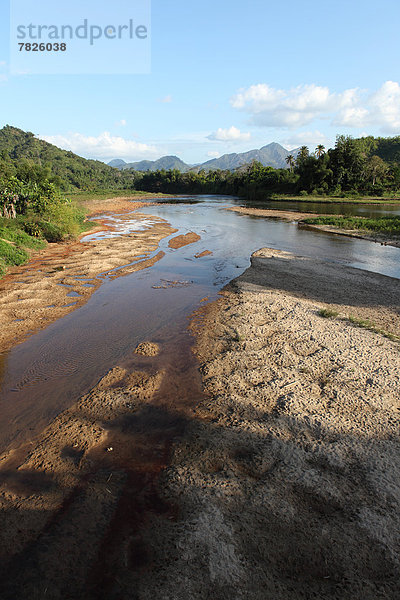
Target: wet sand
{"type": "Point", "coordinates": [86, 486]}
{"type": "Point", "coordinates": [285, 215]}
{"type": "Point", "coordinates": [276, 475]}
{"type": "Point", "coordinates": [183, 240]}
{"type": "Point", "coordinates": [62, 276]}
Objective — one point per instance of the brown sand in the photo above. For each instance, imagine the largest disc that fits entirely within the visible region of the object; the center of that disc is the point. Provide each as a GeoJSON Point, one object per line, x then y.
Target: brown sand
{"type": "Point", "coordinates": [285, 215]}
{"type": "Point", "coordinates": [204, 253]}
{"type": "Point", "coordinates": [287, 479]}
{"type": "Point", "coordinates": [60, 492]}
{"type": "Point", "coordinates": [183, 240]}
{"type": "Point", "coordinates": [147, 349]}
{"type": "Point", "coordinates": [74, 499]}
{"type": "Point", "coordinates": [36, 294]}
{"type": "Point", "coordinates": [283, 483]}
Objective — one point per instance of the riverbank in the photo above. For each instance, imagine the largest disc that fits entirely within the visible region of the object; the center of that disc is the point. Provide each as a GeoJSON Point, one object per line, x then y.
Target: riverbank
{"type": "Point", "coordinates": [285, 215]}
{"type": "Point", "coordinates": [302, 217]}
{"type": "Point", "coordinates": [279, 480]}
{"type": "Point", "coordinates": [62, 276]}
{"type": "Point", "coordinates": [385, 230]}
{"type": "Point", "coordinates": [286, 481]}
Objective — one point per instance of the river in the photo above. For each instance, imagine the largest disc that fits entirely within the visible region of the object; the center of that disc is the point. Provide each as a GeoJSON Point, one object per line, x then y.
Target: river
{"type": "Point", "coordinates": [50, 370]}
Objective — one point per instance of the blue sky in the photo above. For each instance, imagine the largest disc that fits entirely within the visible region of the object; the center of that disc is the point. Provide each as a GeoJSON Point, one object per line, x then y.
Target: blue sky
{"type": "Point", "coordinates": [226, 76]}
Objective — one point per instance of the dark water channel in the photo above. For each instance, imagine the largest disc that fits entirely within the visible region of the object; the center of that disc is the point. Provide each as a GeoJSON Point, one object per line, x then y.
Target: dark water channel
{"type": "Point", "coordinates": [42, 376]}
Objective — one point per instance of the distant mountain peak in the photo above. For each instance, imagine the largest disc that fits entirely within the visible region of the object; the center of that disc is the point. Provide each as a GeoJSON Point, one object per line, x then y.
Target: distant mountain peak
{"type": "Point", "coordinates": [270, 155]}
{"type": "Point", "coordinates": [165, 162]}
{"type": "Point", "coordinates": [117, 163]}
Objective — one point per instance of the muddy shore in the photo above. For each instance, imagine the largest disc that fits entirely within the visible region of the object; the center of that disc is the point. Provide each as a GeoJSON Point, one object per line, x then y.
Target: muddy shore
{"type": "Point", "coordinates": [298, 217]}
{"type": "Point", "coordinates": [279, 479]}
{"type": "Point", "coordinates": [62, 276]}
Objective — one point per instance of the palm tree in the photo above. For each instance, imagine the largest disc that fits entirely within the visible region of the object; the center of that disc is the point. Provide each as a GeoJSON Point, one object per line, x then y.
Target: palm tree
{"type": "Point", "coordinates": [319, 150]}
{"type": "Point", "coordinates": [303, 153]}
{"type": "Point", "coordinates": [290, 161]}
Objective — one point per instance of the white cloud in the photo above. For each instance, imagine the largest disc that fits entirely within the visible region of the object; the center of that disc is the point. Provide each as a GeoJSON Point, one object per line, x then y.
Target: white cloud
{"type": "Point", "coordinates": [306, 138]}
{"type": "Point", "coordinates": [121, 123]}
{"type": "Point", "coordinates": [213, 154]}
{"type": "Point", "coordinates": [229, 135]}
{"type": "Point", "coordinates": [166, 99]}
{"type": "Point", "coordinates": [381, 108]}
{"type": "Point", "coordinates": [283, 108]}
{"type": "Point", "coordinates": [299, 106]}
{"type": "Point", "coordinates": [103, 147]}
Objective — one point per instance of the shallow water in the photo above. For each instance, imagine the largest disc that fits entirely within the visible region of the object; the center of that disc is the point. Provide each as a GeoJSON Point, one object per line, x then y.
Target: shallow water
{"type": "Point", "coordinates": [120, 225]}
{"type": "Point", "coordinates": [49, 371]}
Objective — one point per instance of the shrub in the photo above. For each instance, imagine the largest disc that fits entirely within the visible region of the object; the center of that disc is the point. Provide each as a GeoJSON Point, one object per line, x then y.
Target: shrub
{"type": "Point", "coordinates": [50, 231]}
{"type": "Point", "coordinates": [32, 229]}
{"type": "Point", "coordinates": [66, 218]}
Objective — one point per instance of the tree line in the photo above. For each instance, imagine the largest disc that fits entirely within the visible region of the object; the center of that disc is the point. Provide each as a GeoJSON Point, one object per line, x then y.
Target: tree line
{"type": "Point", "coordinates": [352, 167]}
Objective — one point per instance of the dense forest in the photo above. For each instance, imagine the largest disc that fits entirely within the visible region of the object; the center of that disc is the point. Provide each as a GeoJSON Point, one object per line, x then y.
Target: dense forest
{"type": "Point", "coordinates": [27, 158]}
{"type": "Point", "coordinates": [367, 166]}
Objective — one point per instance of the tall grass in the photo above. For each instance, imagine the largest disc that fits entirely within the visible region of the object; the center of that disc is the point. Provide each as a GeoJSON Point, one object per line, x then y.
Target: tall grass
{"type": "Point", "coordinates": [387, 225]}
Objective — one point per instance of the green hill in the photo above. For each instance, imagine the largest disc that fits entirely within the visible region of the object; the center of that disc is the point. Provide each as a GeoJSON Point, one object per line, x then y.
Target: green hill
{"type": "Point", "coordinates": [21, 151]}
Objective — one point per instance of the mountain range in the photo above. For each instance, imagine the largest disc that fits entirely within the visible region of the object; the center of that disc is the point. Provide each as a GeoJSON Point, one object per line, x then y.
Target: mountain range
{"type": "Point", "coordinates": [165, 162]}
{"type": "Point", "coordinates": [271, 155]}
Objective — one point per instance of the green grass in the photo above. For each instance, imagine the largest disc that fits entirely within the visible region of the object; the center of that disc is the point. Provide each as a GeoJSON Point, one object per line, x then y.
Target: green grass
{"type": "Point", "coordinates": [327, 314]}
{"type": "Point", "coordinates": [366, 324]}
{"type": "Point", "coordinates": [14, 243]}
{"type": "Point", "coordinates": [386, 225]}
{"type": "Point", "coordinates": [358, 322]}
{"type": "Point", "coordinates": [19, 237]}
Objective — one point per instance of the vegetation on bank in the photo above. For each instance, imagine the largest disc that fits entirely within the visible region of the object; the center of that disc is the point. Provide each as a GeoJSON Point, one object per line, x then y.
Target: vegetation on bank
{"type": "Point", "coordinates": [14, 244]}
{"type": "Point", "coordinates": [33, 213]}
{"type": "Point", "coordinates": [354, 168]}
{"type": "Point", "coordinates": [385, 225]}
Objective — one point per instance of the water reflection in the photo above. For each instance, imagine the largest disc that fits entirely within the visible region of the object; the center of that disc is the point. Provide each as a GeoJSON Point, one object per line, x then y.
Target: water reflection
{"type": "Point", "coordinates": [323, 208]}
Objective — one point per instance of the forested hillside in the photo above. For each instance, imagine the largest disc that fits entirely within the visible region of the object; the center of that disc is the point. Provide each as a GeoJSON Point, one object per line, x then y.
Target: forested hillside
{"type": "Point", "coordinates": [24, 156]}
